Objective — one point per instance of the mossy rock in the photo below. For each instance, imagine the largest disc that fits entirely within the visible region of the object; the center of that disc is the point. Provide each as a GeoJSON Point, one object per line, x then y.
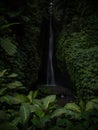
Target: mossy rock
{"type": "Point", "coordinates": [57, 90]}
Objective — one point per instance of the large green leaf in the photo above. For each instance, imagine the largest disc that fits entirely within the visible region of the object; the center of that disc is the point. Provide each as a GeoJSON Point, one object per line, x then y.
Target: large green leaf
{"type": "Point", "coordinates": [24, 113]}
{"type": "Point", "coordinates": [2, 73]}
{"type": "Point", "coordinates": [17, 99]}
{"type": "Point", "coordinates": [15, 84]}
{"type": "Point", "coordinates": [21, 98]}
{"type": "Point", "coordinates": [48, 100]}
{"type": "Point", "coordinates": [40, 113]}
{"type": "Point", "coordinates": [92, 104]}
{"type": "Point", "coordinates": [35, 107]}
{"type": "Point", "coordinates": [35, 93]}
{"type": "Point", "coordinates": [6, 99]}
{"type": "Point", "coordinates": [2, 91]}
{"type": "Point", "coordinates": [32, 95]}
{"type": "Point", "coordinates": [38, 103]}
{"type": "Point", "coordinates": [13, 75]}
{"type": "Point", "coordinates": [59, 112]}
{"type": "Point", "coordinates": [95, 100]}
{"type": "Point", "coordinates": [8, 46]}
{"type": "Point", "coordinates": [89, 106]}
{"type": "Point", "coordinates": [73, 107]}
{"type": "Point", "coordinates": [66, 112]}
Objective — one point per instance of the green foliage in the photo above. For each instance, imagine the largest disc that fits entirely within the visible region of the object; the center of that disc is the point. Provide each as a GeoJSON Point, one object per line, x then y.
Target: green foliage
{"type": "Point", "coordinates": [20, 50]}
{"type": "Point", "coordinates": [9, 89]}
{"type": "Point", "coordinates": [72, 116]}
{"type": "Point", "coordinates": [41, 111]}
{"type": "Point", "coordinates": [73, 107]}
{"type": "Point", "coordinates": [8, 99]}
{"type": "Point", "coordinates": [20, 38]}
{"type": "Point", "coordinates": [24, 115]}
{"type": "Point", "coordinates": [25, 111]}
{"type": "Point", "coordinates": [14, 99]}
{"type": "Point", "coordinates": [79, 53]}
{"type": "Point", "coordinates": [8, 46]}
{"type": "Point", "coordinates": [48, 100]}
{"type": "Point", "coordinates": [65, 117]}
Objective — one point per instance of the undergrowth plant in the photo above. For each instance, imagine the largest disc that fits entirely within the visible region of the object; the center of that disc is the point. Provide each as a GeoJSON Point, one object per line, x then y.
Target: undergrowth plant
{"type": "Point", "coordinates": [10, 100]}
{"type": "Point", "coordinates": [21, 109]}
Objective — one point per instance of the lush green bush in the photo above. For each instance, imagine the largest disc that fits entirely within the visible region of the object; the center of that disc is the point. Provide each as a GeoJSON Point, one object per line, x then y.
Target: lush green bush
{"type": "Point", "coordinates": [20, 38]}
{"type": "Point", "coordinates": [20, 109]}
{"type": "Point", "coordinates": [79, 52]}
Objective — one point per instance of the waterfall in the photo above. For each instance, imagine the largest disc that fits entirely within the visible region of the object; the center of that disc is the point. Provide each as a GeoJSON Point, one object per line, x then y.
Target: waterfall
{"type": "Point", "coordinates": [50, 69]}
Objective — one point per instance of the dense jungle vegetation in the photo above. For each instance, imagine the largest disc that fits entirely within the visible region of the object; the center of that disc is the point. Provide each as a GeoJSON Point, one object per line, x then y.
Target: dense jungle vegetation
{"type": "Point", "coordinates": [21, 53]}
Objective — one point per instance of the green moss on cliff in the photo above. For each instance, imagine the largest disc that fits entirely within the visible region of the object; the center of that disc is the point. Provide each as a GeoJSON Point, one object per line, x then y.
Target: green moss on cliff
{"type": "Point", "coordinates": [79, 52]}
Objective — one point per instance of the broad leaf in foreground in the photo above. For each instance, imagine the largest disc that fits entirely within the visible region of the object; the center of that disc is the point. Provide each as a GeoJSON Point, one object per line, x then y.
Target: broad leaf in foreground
{"type": "Point", "coordinates": [24, 113]}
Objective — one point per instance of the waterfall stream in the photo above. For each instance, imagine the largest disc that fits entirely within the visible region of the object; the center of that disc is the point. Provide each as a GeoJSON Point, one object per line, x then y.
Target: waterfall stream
{"type": "Point", "coordinates": [50, 70]}
{"type": "Point", "coordinates": [49, 85]}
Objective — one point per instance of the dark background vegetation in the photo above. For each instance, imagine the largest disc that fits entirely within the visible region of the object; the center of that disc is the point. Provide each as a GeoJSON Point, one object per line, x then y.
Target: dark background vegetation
{"type": "Point", "coordinates": [24, 38]}
{"type": "Point", "coordinates": [22, 29]}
